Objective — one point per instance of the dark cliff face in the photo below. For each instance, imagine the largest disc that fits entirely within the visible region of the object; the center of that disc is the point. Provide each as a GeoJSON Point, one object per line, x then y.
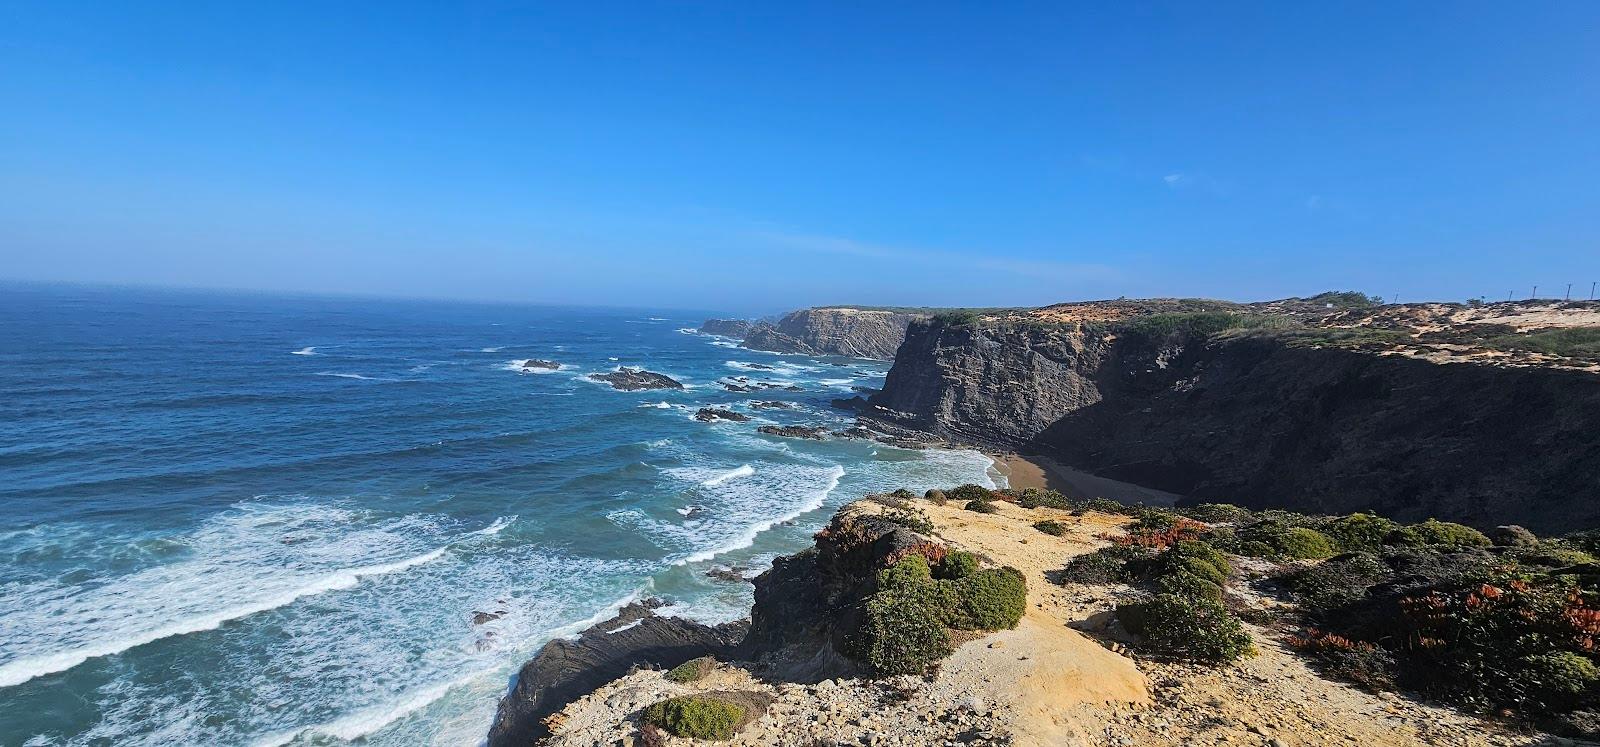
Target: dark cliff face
{"type": "Point", "coordinates": [736, 328]}
{"type": "Point", "coordinates": [857, 333]}
{"type": "Point", "coordinates": [1248, 419]}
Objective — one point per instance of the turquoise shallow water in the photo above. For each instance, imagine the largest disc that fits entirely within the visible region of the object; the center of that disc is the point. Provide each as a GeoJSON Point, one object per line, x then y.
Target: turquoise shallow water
{"type": "Point", "coordinates": [257, 520]}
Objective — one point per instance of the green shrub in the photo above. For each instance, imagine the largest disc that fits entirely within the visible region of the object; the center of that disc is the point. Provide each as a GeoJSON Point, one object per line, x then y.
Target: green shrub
{"type": "Point", "coordinates": [956, 318]}
{"type": "Point", "coordinates": [696, 717]}
{"type": "Point", "coordinates": [1302, 543]}
{"type": "Point", "coordinates": [982, 507]}
{"type": "Point", "coordinates": [1036, 498]}
{"type": "Point", "coordinates": [1108, 565]}
{"type": "Point", "coordinates": [958, 564]}
{"type": "Point", "coordinates": [1435, 533]}
{"type": "Point", "coordinates": [1337, 582]}
{"type": "Point", "coordinates": [1359, 531]}
{"type": "Point", "coordinates": [1193, 628]}
{"type": "Point", "coordinates": [1189, 586]}
{"type": "Point", "coordinates": [1574, 342]}
{"type": "Point", "coordinates": [1216, 513]}
{"type": "Point", "coordinates": [1275, 539]}
{"type": "Point", "coordinates": [692, 670]}
{"type": "Point", "coordinates": [912, 570]}
{"type": "Point", "coordinates": [1203, 553]}
{"type": "Point", "coordinates": [910, 518]}
{"type": "Point", "coordinates": [1560, 675]}
{"type": "Point", "coordinates": [1107, 506]}
{"type": "Point", "coordinates": [935, 495]}
{"type": "Point", "coordinates": [1051, 527]}
{"type": "Point", "coordinates": [1512, 535]}
{"type": "Point", "coordinates": [971, 492]}
{"type": "Point", "coordinates": [991, 599]}
{"type": "Point", "coordinates": [903, 494]}
{"type": "Point", "coordinates": [901, 631]}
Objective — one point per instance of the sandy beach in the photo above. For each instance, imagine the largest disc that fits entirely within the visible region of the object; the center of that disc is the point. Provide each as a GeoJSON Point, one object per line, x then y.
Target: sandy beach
{"type": "Point", "coordinates": [1045, 473]}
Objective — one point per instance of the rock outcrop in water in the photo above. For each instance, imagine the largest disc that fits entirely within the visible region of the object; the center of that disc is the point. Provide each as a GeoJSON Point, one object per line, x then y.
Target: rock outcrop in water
{"type": "Point", "coordinates": [532, 364]}
{"type": "Point", "coordinates": [566, 669]}
{"type": "Point", "coordinates": [834, 330]}
{"type": "Point", "coordinates": [1262, 419]}
{"type": "Point", "coordinates": [713, 414]}
{"type": "Point", "coordinates": [635, 379]}
{"type": "Point", "coordinates": [736, 328]}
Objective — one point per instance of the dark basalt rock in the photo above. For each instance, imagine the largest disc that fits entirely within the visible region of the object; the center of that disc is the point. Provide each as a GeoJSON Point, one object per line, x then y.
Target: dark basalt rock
{"type": "Point", "coordinates": [479, 617]}
{"type": "Point", "coordinates": [712, 414]}
{"type": "Point", "coordinates": [736, 328]}
{"type": "Point", "coordinates": [635, 379]}
{"type": "Point", "coordinates": [565, 670]}
{"type": "Point", "coordinates": [730, 574]}
{"type": "Point", "coordinates": [773, 404]}
{"type": "Point", "coordinates": [535, 363]}
{"type": "Point", "coordinates": [758, 366]}
{"type": "Point", "coordinates": [853, 404]}
{"type": "Point", "coordinates": [815, 433]}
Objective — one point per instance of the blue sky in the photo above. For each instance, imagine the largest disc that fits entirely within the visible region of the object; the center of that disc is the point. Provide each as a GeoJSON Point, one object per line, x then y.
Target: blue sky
{"type": "Point", "coordinates": [756, 156]}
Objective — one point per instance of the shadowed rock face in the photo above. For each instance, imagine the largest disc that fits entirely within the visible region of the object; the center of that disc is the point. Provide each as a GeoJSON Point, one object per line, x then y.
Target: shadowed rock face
{"type": "Point", "coordinates": [857, 333]}
{"type": "Point", "coordinates": [1249, 419]}
{"type": "Point", "coordinates": [737, 328]}
{"type": "Point", "coordinates": [565, 670]}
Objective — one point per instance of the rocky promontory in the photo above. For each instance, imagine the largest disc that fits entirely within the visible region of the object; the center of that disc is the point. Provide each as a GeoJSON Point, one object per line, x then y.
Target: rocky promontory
{"type": "Point", "coordinates": [636, 379]}
{"type": "Point", "coordinates": [834, 330]}
{"type": "Point", "coordinates": [735, 328]}
{"type": "Point", "coordinates": [566, 669]}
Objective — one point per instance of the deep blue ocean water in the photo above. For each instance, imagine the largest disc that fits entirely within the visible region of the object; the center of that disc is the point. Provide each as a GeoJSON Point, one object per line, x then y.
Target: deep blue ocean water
{"type": "Point", "coordinates": [241, 520]}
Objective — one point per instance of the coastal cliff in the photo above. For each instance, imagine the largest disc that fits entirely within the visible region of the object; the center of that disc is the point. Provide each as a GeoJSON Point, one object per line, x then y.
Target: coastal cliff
{"type": "Point", "coordinates": [735, 328]}
{"type": "Point", "coordinates": [834, 330]}
{"type": "Point", "coordinates": [1262, 418]}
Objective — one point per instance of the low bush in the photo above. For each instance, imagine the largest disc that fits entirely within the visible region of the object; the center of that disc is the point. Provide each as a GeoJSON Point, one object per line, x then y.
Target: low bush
{"type": "Point", "coordinates": [1178, 530]}
{"type": "Point", "coordinates": [1189, 586]}
{"type": "Point", "coordinates": [1277, 540]}
{"type": "Point", "coordinates": [1337, 582]}
{"type": "Point", "coordinates": [1512, 535]}
{"type": "Point", "coordinates": [971, 492]}
{"type": "Point", "coordinates": [991, 599]}
{"type": "Point", "coordinates": [1192, 628]}
{"type": "Point", "coordinates": [1051, 527]}
{"type": "Point", "coordinates": [1358, 532]}
{"type": "Point", "coordinates": [1108, 565]}
{"type": "Point", "coordinates": [1196, 559]}
{"type": "Point", "coordinates": [958, 564]}
{"type": "Point", "coordinates": [1036, 498]}
{"type": "Point", "coordinates": [910, 518]}
{"type": "Point", "coordinates": [935, 495]}
{"type": "Point", "coordinates": [1216, 513]}
{"type": "Point", "coordinates": [979, 506]}
{"type": "Point", "coordinates": [1435, 533]}
{"type": "Point", "coordinates": [692, 670]}
{"type": "Point", "coordinates": [904, 623]}
{"type": "Point", "coordinates": [1365, 664]}
{"type": "Point", "coordinates": [696, 717]}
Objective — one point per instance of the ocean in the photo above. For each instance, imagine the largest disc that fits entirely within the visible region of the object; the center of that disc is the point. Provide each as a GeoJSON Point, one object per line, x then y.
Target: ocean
{"type": "Point", "coordinates": [236, 519]}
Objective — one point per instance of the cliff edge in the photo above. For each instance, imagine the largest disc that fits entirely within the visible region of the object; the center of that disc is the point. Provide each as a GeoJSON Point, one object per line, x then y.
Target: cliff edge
{"type": "Point", "coordinates": [835, 330]}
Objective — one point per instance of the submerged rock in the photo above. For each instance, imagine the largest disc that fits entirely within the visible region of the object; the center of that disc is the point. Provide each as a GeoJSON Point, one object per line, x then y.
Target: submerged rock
{"type": "Point", "coordinates": [635, 379]}
{"type": "Point", "coordinates": [815, 433]}
{"type": "Point", "coordinates": [565, 670]}
{"type": "Point", "coordinates": [773, 404]}
{"type": "Point", "coordinates": [712, 414]}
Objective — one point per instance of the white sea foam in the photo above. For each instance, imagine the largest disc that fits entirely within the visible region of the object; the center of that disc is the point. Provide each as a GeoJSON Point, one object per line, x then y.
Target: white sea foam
{"type": "Point", "coordinates": [492, 350]}
{"type": "Point", "coordinates": [741, 471]}
{"type": "Point", "coordinates": [356, 376]}
{"type": "Point", "coordinates": [21, 670]}
{"type": "Point", "coordinates": [244, 562]}
{"type": "Point", "coordinates": [308, 350]}
{"type": "Point", "coordinates": [619, 629]}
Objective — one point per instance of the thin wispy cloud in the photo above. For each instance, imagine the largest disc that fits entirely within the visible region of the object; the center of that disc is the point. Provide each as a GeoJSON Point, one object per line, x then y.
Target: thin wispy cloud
{"type": "Point", "coordinates": [1022, 266]}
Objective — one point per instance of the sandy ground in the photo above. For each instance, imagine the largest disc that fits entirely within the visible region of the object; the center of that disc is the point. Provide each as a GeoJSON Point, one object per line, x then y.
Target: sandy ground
{"type": "Point", "coordinates": [1047, 683]}
{"type": "Point", "coordinates": [1043, 472]}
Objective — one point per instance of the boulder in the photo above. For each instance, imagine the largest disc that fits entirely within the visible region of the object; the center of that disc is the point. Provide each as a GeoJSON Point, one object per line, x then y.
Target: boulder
{"type": "Point", "coordinates": [635, 379]}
